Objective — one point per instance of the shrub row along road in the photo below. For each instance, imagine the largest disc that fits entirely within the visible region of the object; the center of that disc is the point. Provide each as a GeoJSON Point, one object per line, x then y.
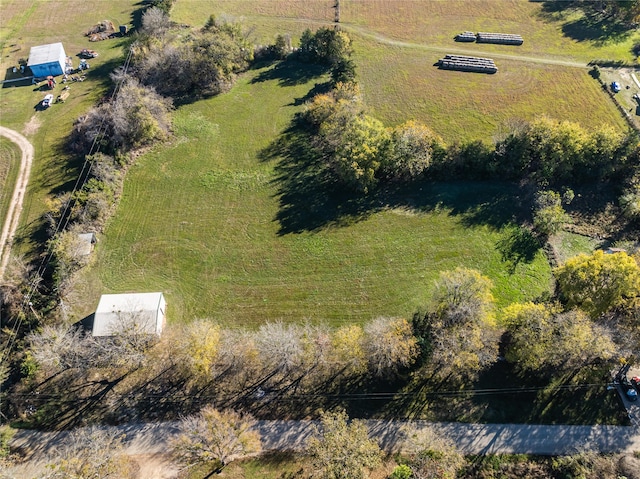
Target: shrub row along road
{"type": "Point", "coordinates": [154, 438]}
{"type": "Point", "coordinates": [10, 223]}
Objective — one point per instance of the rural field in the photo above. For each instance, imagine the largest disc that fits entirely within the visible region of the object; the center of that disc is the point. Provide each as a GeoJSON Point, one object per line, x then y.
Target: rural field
{"type": "Point", "coordinates": [27, 23]}
{"type": "Point", "coordinates": [235, 226]}
{"type": "Point", "coordinates": [214, 243]}
{"type": "Point", "coordinates": [201, 218]}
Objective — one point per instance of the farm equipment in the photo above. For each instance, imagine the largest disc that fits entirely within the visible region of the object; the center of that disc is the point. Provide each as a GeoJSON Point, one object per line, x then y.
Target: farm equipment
{"type": "Point", "coordinates": [62, 97]}
{"type": "Point", "coordinates": [86, 53]}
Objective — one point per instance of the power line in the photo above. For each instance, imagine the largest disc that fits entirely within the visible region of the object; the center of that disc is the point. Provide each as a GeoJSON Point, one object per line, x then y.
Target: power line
{"type": "Point", "coordinates": [64, 217]}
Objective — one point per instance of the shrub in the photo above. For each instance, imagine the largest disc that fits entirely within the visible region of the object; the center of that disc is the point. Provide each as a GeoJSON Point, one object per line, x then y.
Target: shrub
{"type": "Point", "coordinates": [401, 472]}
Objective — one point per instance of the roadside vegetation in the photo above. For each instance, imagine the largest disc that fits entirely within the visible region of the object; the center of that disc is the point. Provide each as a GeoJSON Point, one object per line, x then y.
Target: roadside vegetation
{"type": "Point", "coordinates": [342, 261]}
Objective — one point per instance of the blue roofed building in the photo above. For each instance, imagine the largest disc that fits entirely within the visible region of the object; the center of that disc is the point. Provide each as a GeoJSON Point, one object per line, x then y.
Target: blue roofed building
{"type": "Point", "coordinates": [45, 60]}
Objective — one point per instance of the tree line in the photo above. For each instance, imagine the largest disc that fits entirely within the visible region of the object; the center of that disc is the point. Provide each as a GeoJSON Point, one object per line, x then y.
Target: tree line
{"type": "Point", "coordinates": [459, 334]}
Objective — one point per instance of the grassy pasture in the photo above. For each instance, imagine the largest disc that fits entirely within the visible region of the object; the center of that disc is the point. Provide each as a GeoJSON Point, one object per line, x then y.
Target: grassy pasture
{"type": "Point", "coordinates": [561, 33]}
{"type": "Point", "coordinates": [398, 42]}
{"type": "Point", "coordinates": [402, 83]}
{"type": "Point", "coordinates": [27, 23]}
{"type": "Point", "coordinates": [197, 221]}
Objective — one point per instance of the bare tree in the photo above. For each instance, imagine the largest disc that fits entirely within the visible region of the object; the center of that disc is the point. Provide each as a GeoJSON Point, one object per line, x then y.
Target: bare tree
{"type": "Point", "coordinates": [215, 437]}
{"type": "Point", "coordinates": [431, 455]}
{"type": "Point", "coordinates": [155, 22]}
{"type": "Point", "coordinates": [280, 346]}
{"type": "Point", "coordinates": [56, 348]}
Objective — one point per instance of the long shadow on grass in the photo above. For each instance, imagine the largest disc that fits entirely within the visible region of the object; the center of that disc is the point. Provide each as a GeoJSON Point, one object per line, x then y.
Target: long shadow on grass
{"type": "Point", "coordinates": [310, 198]}
{"type": "Point", "coordinates": [594, 26]}
{"type": "Point", "coordinates": [307, 193]}
{"type": "Point", "coordinates": [289, 72]}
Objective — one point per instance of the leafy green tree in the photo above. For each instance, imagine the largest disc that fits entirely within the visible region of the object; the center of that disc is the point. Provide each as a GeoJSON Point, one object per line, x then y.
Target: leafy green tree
{"type": "Point", "coordinates": [551, 151]}
{"type": "Point", "coordinates": [356, 149]}
{"type": "Point", "coordinates": [341, 449]}
{"type": "Point", "coordinates": [204, 63]}
{"type": "Point", "coordinates": [412, 151]}
{"type": "Point", "coordinates": [344, 71]}
{"type": "Point", "coordinates": [543, 338]}
{"type": "Point", "coordinates": [458, 334]}
{"type": "Point", "coordinates": [549, 215]}
{"type": "Point", "coordinates": [216, 438]}
{"type": "Point", "coordinates": [598, 282]}
{"type": "Point", "coordinates": [326, 45]}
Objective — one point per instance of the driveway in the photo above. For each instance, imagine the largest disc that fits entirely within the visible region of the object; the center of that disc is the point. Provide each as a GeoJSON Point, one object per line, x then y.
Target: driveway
{"type": "Point", "coordinates": [10, 223]}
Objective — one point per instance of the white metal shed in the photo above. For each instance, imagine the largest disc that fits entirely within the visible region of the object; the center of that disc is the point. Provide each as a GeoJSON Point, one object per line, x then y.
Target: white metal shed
{"type": "Point", "coordinates": [139, 312]}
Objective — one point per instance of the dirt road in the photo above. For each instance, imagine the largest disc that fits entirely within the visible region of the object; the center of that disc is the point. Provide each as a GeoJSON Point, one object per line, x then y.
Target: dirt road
{"type": "Point", "coordinates": [154, 438]}
{"type": "Point", "coordinates": [10, 223]}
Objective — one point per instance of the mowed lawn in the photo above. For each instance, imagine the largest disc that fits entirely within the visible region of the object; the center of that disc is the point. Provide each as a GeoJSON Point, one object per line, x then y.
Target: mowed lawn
{"type": "Point", "coordinates": [397, 44]}
{"type": "Point", "coordinates": [401, 83]}
{"type": "Point", "coordinates": [28, 23]}
{"type": "Point", "coordinates": [197, 222]}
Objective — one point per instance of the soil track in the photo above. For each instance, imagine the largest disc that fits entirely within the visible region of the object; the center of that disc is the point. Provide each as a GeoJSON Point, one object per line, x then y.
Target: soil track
{"type": "Point", "coordinates": [10, 223]}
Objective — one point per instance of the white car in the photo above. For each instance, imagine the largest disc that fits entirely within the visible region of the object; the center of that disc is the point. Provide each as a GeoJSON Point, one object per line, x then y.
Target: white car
{"type": "Point", "coordinates": [48, 100]}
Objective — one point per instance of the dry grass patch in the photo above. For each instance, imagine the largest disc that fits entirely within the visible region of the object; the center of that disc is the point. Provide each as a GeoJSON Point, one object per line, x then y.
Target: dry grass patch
{"type": "Point", "coordinates": [403, 83]}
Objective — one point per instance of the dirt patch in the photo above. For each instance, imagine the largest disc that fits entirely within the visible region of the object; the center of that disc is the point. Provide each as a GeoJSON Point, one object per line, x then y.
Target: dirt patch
{"type": "Point", "coordinates": [31, 126]}
{"type": "Point", "coordinates": [155, 466]}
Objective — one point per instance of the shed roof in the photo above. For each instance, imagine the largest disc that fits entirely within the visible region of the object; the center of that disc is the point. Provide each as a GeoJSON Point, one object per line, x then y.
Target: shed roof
{"type": "Point", "coordinates": [45, 54]}
{"type": "Point", "coordinates": [85, 243]}
{"type": "Point", "coordinates": [144, 310]}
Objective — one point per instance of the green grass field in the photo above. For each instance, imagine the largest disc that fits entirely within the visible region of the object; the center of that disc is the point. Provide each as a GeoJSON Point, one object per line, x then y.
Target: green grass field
{"type": "Point", "coordinates": [215, 248]}
{"type": "Point", "coordinates": [214, 245]}
{"type": "Point", "coordinates": [397, 44]}
{"type": "Point", "coordinates": [27, 23]}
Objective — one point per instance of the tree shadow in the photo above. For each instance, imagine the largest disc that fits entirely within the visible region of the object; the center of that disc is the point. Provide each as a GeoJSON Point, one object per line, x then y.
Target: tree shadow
{"type": "Point", "coordinates": [289, 72]}
{"type": "Point", "coordinates": [595, 26]}
{"type": "Point", "coordinates": [310, 198]}
{"type": "Point", "coordinates": [597, 30]}
{"type": "Point", "coordinates": [520, 245]}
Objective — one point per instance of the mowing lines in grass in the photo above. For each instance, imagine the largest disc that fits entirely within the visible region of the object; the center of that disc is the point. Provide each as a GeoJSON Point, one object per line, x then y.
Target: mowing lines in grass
{"type": "Point", "coordinates": [213, 245]}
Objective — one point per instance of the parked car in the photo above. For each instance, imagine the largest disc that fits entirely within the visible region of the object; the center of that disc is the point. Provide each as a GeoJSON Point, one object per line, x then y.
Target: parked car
{"type": "Point", "coordinates": [47, 101]}
{"type": "Point", "coordinates": [615, 87]}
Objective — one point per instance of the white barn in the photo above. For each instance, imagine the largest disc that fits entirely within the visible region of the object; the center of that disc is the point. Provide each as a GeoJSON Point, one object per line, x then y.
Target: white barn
{"type": "Point", "coordinates": [136, 312]}
{"type": "Point", "coordinates": [45, 60]}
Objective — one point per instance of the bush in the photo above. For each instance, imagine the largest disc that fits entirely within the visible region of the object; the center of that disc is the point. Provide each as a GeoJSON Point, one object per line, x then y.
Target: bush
{"type": "Point", "coordinates": [401, 472]}
{"type": "Point", "coordinates": [202, 64]}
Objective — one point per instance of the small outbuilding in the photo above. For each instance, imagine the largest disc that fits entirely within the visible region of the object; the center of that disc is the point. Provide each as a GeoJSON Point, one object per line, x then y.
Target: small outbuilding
{"type": "Point", "coordinates": [86, 241]}
{"type": "Point", "coordinates": [135, 312]}
{"type": "Point", "coordinates": [47, 60]}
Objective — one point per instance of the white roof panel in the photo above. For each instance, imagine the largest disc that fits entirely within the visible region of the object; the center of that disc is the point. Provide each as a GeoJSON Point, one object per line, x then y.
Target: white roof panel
{"type": "Point", "coordinates": [45, 54]}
